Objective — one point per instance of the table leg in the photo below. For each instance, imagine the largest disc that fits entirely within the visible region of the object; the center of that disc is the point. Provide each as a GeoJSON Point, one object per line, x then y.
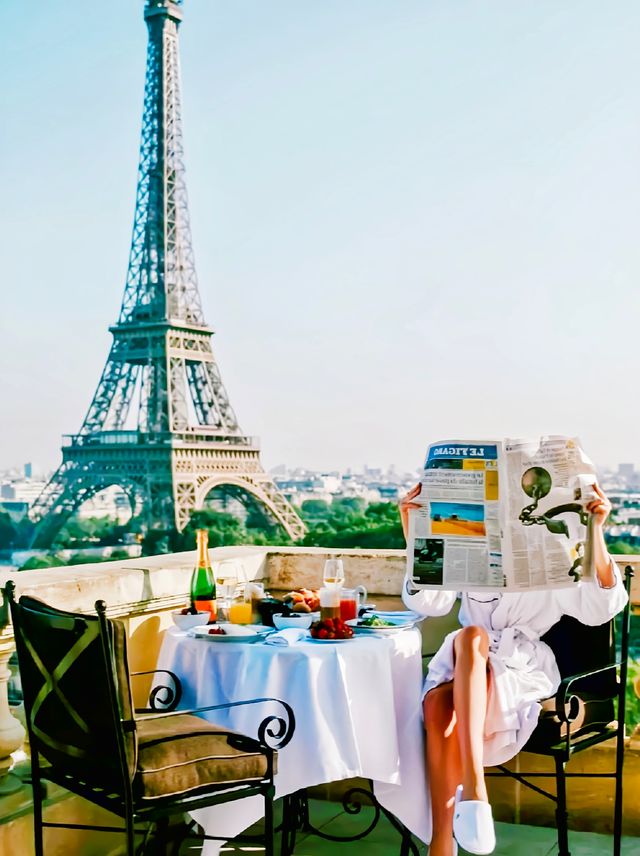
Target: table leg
{"type": "Point", "coordinates": [296, 817]}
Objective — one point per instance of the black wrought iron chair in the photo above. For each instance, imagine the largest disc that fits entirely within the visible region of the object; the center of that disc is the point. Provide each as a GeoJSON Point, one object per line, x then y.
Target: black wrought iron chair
{"type": "Point", "coordinates": [142, 765]}
{"type": "Point", "coordinates": [588, 708]}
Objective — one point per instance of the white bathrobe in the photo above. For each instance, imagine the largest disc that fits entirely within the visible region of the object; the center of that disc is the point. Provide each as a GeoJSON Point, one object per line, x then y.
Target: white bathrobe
{"type": "Point", "coordinates": [523, 669]}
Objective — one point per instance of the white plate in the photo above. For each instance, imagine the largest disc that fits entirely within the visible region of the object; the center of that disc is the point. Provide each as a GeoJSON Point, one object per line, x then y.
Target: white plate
{"type": "Point", "coordinates": [400, 616]}
{"type": "Point", "coordinates": [233, 633]}
{"type": "Point", "coordinates": [379, 631]}
{"type": "Point", "coordinates": [329, 641]}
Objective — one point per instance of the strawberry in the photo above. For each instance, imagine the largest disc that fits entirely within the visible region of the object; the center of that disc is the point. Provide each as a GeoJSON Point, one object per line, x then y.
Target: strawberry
{"type": "Point", "coordinates": [322, 633]}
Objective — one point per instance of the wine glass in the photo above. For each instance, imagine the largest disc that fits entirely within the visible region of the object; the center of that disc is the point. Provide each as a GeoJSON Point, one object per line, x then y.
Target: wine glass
{"type": "Point", "coordinates": [333, 574]}
{"type": "Point", "coordinates": [228, 574]}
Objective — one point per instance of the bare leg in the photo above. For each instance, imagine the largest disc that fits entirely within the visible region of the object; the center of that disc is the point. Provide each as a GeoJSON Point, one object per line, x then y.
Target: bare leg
{"type": "Point", "coordinates": [471, 647]}
{"type": "Point", "coordinates": [443, 765]}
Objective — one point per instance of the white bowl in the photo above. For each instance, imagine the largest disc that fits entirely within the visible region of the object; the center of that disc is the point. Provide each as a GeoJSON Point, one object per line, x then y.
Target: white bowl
{"type": "Point", "coordinates": [296, 619]}
{"type": "Point", "coordinates": [186, 622]}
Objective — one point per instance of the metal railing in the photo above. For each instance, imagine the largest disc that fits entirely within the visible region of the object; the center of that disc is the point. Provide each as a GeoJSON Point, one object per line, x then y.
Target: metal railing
{"type": "Point", "coordinates": [200, 434]}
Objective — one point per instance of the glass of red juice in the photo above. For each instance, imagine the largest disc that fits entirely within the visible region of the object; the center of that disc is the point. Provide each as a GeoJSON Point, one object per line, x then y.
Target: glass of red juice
{"type": "Point", "coordinates": [348, 605]}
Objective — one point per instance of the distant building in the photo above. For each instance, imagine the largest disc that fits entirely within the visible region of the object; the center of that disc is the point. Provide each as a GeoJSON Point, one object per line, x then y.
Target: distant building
{"type": "Point", "coordinates": [112, 503]}
{"type": "Point", "coordinates": [22, 490]}
{"type": "Point", "coordinates": [627, 471]}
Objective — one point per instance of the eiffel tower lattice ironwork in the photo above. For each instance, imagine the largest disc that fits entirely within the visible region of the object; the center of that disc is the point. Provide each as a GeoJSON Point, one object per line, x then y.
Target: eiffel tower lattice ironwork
{"type": "Point", "coordinates": [160, 424]}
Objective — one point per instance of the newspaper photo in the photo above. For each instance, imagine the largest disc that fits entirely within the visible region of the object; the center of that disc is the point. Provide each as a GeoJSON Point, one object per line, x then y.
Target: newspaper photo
{"type": "Point", "coordinates": [506, 515]}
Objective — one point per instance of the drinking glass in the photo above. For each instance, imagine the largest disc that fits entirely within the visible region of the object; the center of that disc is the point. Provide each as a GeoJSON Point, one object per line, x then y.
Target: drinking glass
{"type": "Point", "coordinates": [228, 575]}
{"type": "Point", "coordinates": [240, 610]}
{"type": "Point", "coordinates": [333, 574]}
{"type": "Point", "coordinates": [255, 593]}
{"type": "Point", "coordinates": [329, 602]}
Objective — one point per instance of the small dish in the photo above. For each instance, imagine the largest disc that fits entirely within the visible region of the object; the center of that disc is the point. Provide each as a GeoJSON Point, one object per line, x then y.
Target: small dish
{"type": "Point", "coordinates": [399, 616]}
{"type": "Point", "coordinates": [186, 622]}
{"type": "Point", "coordinates": [384, 630]}
{"type": "Point", "coordinates": [232, 633]}
{"type": "Point", "coordinates": [302, 620]}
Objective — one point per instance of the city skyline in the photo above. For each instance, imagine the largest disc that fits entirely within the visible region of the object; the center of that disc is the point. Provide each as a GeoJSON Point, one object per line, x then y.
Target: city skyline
{"type": "Point", "coordinates": [370, 164]}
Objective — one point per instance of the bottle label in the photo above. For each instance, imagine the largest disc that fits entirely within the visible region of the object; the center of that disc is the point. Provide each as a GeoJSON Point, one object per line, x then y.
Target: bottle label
{"type": "Point", "coordinates": [206, 606]}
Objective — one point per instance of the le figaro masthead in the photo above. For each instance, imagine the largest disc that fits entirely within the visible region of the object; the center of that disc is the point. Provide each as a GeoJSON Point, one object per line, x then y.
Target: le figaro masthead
{"type": "Point", "coordinates": [160, 425]}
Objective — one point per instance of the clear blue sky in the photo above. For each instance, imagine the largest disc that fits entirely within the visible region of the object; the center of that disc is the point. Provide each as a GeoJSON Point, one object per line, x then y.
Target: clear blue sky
{"type": "Point", "coordinates": [412, 220]}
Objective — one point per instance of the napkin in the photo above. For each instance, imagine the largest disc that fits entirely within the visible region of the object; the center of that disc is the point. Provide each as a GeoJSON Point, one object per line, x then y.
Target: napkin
{"type": "Point", "coordinates": [288, 636]}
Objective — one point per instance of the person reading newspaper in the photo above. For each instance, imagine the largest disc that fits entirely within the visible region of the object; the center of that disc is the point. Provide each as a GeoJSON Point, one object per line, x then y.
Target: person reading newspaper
{"type": "Point", "coordinates": [483, 687]}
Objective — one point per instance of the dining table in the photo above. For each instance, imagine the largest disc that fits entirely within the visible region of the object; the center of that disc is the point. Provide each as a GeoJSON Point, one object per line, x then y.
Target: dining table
{"type": "Point", "coordinates": [357, 707]}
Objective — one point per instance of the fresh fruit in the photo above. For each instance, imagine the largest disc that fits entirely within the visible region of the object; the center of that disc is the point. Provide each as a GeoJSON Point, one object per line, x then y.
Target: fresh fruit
{"type": "Point", "coordinates": [331, 628]}
{"type": "Point", "coordinates": [189, 610]}
{"type": "Point", "coordinates": [217, 631]}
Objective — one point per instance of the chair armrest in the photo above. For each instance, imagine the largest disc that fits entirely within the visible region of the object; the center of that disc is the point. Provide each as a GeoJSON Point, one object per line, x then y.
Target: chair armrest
{"type": "Point", "coordinates": [564, 697]}
{"type": "Point", "coordinates": [173, 693]}
{"type": "Point", "coordinates": [274, 732]}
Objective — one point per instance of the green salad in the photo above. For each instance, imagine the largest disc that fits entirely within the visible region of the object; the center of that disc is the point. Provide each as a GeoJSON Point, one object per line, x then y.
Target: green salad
{"type": "Point", "coordinates": [375, 621]}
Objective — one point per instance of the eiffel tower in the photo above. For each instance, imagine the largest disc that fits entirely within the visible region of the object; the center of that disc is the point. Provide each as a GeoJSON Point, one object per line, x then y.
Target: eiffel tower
{"type": "Point", "coordinates": [160, 425]}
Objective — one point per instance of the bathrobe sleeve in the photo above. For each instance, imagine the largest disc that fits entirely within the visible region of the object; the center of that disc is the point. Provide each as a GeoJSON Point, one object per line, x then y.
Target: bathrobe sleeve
{"type": "Point", "coordinates": [591, 603]}
{"type": "Point", "coordinates": [430, 602]}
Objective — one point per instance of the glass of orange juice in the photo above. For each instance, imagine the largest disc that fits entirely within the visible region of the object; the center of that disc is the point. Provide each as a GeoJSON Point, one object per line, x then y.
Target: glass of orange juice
{"type": "Point", "coordinates": [240, 610]}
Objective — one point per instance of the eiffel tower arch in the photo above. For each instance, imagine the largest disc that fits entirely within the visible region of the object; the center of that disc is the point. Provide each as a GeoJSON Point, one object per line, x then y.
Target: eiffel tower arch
{"type": "Point", "coordinates": [160, 424]}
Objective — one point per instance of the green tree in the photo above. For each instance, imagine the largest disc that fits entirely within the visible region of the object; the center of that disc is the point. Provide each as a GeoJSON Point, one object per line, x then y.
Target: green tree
{"type": "Point", "coordinates": [46, 561]}
{"type": "Point", "coordinates": [24, 532]}
{"type": "Point", "coordinates": [354, 504]}
{"type": "Point", "coordinates": [85, 559]}
{"type": "Point", "coordinates": [315, 509]}
{"type": "Point", "coordinates": [622, 547]}
{"type": "Point", "coordinates": [353, 524]}
{"type": "Point", "coordinates": [8, 532]}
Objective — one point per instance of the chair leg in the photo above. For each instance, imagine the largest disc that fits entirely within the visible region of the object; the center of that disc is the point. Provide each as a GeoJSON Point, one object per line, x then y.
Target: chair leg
{"type": "Point", "coordinates": [36, 786]}
{"type": "Point", "coordinates": [405, 846]}
{"type": "Point", "coordinates": [130, 835]}
{"type": "Point", "coordinates": [268, 821]}
{"type": "Point", "coordinates": [289, 823]}
{"type": "Point", "coordinates": [617, 811]}
{"type": "Point", "coordinates": [562, 818]}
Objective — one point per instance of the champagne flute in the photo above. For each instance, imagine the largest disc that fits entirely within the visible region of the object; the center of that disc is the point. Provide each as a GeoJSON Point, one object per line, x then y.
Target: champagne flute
{"type": "Point", "coordinates": [333, 574]}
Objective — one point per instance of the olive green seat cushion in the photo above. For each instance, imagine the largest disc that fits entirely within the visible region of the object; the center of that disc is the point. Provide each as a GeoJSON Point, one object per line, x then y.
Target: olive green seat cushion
{"type": "Point", "coordinates": [185, 753]}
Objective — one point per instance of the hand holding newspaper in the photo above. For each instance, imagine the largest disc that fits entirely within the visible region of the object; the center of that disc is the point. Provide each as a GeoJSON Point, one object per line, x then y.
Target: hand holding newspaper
{"type": "Point", "coordinates": [508, 515]}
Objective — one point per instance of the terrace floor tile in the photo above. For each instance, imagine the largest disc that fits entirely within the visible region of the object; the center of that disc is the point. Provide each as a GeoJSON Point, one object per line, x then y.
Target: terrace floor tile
{"type": "Point", "coordinates": [512, 839]}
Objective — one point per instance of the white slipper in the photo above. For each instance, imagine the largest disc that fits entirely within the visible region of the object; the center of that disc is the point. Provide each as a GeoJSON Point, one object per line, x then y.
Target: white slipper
{"type": "Point", "coordinates": [473, 825]}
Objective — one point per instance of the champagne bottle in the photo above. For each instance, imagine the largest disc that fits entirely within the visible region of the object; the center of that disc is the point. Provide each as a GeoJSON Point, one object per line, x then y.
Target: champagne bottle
{"type": "Point", "coordinates": [203, 585]}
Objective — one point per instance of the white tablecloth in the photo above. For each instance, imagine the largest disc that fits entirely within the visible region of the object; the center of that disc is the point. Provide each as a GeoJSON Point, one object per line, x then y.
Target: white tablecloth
{"type": "Point", "coordinates": [357, 708]}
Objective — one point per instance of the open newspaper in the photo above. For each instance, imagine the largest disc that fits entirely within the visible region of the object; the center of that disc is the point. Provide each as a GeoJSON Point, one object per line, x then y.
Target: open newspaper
{"type": "Point", "coordinates": [508, 515]}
